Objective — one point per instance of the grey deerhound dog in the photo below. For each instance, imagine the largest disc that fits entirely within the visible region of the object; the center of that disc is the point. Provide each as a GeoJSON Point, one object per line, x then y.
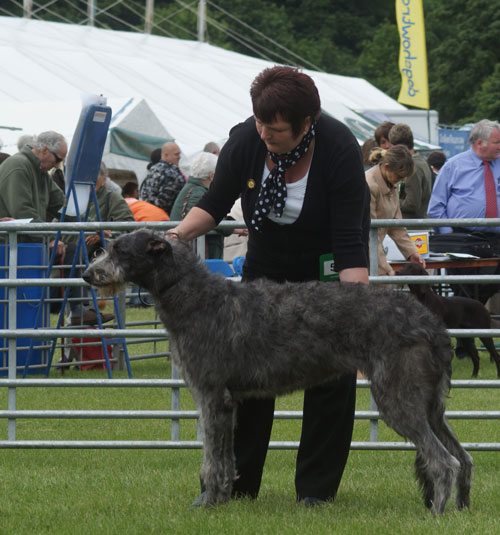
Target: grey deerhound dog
{"type": "Point", "coordinates": [457, 313]}
{"type": "Point", "coordinates": [262, 338]}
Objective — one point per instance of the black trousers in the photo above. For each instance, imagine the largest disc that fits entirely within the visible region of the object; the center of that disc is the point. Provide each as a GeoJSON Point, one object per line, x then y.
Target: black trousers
{"type": "Point", "coordinates": [328, 420]}
{"type": "Point", "coordinates": [324, 443]}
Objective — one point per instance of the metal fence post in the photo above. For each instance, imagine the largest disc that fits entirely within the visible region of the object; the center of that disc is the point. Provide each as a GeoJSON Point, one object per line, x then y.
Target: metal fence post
{"type": "Point", "coordinates": [118, 353]}
{"type": "Point", "coordinates": [373, 271]}
{"type": "Point", "coordinates": [12, 325]}
{"type": "Point", "coordinates": [175, 400]}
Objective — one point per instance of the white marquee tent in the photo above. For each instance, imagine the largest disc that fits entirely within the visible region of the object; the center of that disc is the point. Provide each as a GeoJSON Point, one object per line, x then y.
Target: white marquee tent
{"type": "Point", "coordinates": [196, 91]}
{"type": "Point", "coordinates": [130, 116]}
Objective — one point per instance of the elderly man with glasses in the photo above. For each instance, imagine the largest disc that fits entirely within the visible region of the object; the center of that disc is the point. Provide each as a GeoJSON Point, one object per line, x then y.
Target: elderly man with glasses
{"type": "Point", "coordinates": [27, 190]}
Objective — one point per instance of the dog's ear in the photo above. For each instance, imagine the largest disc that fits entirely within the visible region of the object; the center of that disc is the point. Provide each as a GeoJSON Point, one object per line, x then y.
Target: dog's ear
{"type": "Point", "coordinates": [157, 246]}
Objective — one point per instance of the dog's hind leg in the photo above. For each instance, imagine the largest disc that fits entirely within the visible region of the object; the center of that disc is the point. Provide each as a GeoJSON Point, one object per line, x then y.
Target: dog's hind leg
{"type": "Point", "coordinates": [438, 468]}
{"type": "Point", "coordinates": [405, 410]}
{"type": "Point", "coordinates": [447, 437]}
{"type": "Point", "coordinates": [471, 349]}
{"type": "Point", "coordinates": [424, 481]}
{"type": "Point", "coordinates": [490, 346]}
{"type": "Point", "coordinates": [466, 464]}
{"type": "Point", "coordinates": [218, 468]}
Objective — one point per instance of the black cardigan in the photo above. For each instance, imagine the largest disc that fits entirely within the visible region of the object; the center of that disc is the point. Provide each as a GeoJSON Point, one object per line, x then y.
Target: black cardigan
{"type": "Point", "coordinates": [335, 216]}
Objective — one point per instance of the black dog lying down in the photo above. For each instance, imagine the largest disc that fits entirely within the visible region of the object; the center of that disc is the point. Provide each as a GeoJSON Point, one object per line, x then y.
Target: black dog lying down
{"type": "Point", "coordinates": [456, 313]}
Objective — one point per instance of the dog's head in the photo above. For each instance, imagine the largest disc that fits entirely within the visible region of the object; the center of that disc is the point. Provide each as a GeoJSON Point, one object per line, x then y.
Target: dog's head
{"type": "Point", "coordinates": [413, 269]}
{"type": "Point", "coordinates": [134, 257]}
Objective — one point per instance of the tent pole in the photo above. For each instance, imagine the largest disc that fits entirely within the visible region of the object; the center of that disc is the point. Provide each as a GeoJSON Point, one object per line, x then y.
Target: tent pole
{"type": "Point", "coordinates": [429, 125]}
{"type": "Point", "coordinates": [91, 12]}
{"type": "Point", "coordinates": [202, 8]}
{"type": "Point", "coordinates": [148, 24]}
{"type": "Point", "coordinates": [27, 8]}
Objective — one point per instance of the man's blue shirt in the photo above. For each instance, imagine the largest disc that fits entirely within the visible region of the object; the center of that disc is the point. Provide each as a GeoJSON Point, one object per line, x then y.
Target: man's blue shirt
{"type": "Point", "coordinates": [459, 192]}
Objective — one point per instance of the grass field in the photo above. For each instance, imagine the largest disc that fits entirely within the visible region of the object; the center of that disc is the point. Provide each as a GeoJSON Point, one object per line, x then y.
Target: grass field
{"type": "Point", "coordinates": [149, 491]}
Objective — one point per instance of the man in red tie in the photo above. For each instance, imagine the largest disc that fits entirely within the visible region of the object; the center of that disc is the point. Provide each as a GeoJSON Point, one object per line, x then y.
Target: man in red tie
{"type": "Point", "coordinates": [468, 186]}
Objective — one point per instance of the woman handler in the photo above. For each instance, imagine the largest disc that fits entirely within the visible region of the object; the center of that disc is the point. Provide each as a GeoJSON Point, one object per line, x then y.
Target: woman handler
{"type": "Point", "coordinates": [303, 192]}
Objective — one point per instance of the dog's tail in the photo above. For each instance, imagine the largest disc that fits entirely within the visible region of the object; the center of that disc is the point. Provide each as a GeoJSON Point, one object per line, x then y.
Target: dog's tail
{"type": "Point", "coordinates": [442, 356]}
{"type": "Point", "coordinates": [432, 329]}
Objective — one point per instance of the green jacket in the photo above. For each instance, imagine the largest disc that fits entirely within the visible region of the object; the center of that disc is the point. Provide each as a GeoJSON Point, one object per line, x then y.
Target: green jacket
{"type": "Point", "coordinates": [188, 197]}
{"type": "Point", "coordinates": [416, 190]}
{"type": "Point", "coordinates": [26, 191]}
{"type": "Point", "coordinates": [112, 206]}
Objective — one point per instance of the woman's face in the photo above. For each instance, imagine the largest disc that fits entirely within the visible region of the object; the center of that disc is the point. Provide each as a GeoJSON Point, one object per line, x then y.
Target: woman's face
{"type": "Point", "coordinates": [278, 135]}
{"type": "Point", "coordinates": [391, 176]}
{"type": "Point", "coordinates": [385, 143]}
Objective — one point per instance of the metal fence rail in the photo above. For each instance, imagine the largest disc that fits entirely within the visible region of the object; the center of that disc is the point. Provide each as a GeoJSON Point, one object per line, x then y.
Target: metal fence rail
{"type": "Point", "coordinates": [175, 414]}
{"type": "Point", "coordinates": [372, 416]}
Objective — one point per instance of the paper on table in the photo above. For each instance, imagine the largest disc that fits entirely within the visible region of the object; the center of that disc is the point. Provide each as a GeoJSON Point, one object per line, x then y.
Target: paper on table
{"type": "Point", "coordinates": [461, 255]}
{"type": "Point", "coordinates": [18, 221]}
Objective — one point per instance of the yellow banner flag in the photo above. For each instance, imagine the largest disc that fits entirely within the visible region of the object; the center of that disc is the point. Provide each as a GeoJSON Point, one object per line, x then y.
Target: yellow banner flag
{"type": "Point", "coordinates": [412, 54]}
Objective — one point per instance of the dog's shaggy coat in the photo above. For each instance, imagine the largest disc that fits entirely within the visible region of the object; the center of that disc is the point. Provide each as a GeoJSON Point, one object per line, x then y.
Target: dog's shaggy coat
{"type": "Point", "coordinates": [262, 338]}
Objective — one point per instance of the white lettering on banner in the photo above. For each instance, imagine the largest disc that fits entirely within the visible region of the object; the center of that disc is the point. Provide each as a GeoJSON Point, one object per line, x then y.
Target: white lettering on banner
{"type": "Point", "coordinates": [448, 138]}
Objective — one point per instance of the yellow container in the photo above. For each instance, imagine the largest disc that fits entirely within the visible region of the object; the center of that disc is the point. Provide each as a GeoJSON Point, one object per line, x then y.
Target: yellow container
{"type": "Point", "coordinates": [421, 242]}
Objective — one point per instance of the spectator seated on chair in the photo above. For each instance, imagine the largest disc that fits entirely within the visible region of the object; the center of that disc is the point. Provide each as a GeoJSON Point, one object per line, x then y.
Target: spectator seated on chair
{"type": "Point", "coordinates": [112, 207]}
{"type": "Point", "coordinates": [142, 210]}
{"type": "Point", "coordinates": [201, 176]}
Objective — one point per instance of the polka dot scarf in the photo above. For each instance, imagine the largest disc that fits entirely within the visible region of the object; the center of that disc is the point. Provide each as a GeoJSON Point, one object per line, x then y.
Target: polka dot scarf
{"type": "Point", "coordinates": [272, 193]}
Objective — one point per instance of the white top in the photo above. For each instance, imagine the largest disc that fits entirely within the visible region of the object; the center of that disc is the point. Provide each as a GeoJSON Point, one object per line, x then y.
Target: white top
{"type": "Point", "coordinates": [295, 192]}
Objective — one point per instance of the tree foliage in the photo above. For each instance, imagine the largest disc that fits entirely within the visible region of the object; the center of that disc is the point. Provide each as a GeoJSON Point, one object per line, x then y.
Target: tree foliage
{"type": "Point", "coordinates": [462, 55]}
{"type": "Point", "coordinates": [340, 36]}
{"type": "Point", "coordinates": [378, 61]}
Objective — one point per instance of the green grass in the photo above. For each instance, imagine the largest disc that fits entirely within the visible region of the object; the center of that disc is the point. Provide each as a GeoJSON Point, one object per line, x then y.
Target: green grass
{"type": "Point", "coordinates": [149, 491]}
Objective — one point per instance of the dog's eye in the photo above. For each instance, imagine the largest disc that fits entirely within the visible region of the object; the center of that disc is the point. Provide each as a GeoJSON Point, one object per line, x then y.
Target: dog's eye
{"type": "Point", "coordinates": [98, 252]}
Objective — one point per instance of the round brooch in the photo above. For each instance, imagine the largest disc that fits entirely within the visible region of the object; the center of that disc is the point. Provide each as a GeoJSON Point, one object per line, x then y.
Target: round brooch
{"type": "Point", "coordinates": [251, 183]}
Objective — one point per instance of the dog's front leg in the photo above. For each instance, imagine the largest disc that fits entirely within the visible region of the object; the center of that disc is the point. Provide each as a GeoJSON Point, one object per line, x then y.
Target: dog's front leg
{"type": "Point", "coordinates": [218, 468]}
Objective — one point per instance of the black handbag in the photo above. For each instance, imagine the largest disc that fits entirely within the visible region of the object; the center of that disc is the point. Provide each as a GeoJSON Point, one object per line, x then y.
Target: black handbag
{"type": "Point", "coordinates": [473, 243]}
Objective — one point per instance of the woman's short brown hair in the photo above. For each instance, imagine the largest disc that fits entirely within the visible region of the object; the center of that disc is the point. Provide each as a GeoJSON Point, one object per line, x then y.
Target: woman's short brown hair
{"type": "Point", "coordinates": [287, 92]}
{"type": "Point", "coordinates": [382, 130]}
{"type": "Point", "coordinates": [401, 134]}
